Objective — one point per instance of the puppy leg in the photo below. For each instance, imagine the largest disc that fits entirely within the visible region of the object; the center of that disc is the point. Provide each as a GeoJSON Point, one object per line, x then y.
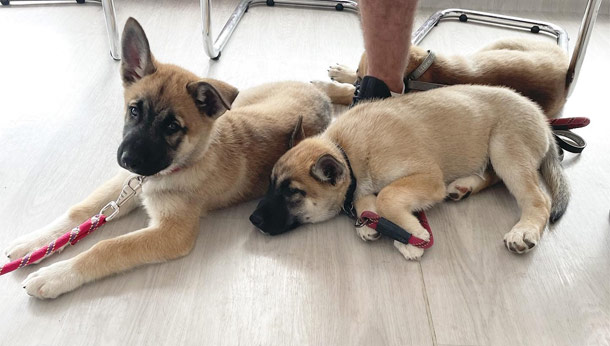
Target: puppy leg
{"type": "Point", "coordinates": [342, 74]}
{"type": "Point", "coordinates": [339, 93]}
{"type": "Point", "coordinates": [167, 239]}
{"type": "Point", "coordinates": [361, 204]}
{"type": "Point", "coordinates": [463, 187]}
{"type": "Point", "coordinates": [397, 202]}
{"type": "Point", "coordinates": [73, 217]}
{"type": "Point", "coordinates": [535, 211]}
{"type": "Point", "coordinates": [520, 175]}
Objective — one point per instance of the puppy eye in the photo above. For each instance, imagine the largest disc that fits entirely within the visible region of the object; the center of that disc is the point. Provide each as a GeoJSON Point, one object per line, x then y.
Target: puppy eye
{"type": "Point", "coordinates": [292, 192]}
{"type": "Point", "coordinates": [134, 111]}
{"type": "Point", "coordinates": [173, 127]}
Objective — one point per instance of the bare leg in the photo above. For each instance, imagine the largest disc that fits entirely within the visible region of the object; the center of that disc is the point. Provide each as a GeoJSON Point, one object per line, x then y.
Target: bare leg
{"type": "Point", "coordinates": [90, 206]}
{"type": "Point", "coordinates": [387, 37]}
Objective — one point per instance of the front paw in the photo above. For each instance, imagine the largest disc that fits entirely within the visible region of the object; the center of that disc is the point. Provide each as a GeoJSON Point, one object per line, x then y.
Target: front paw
{"type": "Point", "coordinates": [410, 252]}
{"type": "Point", "coordinates": [24, 245]}
{"type": "Point", "coordinates": [367, 234]}
{"type": "Point", "coordinates": [342, 74]}
{"type": "Point", "coordinates": [33, 241]}
{"type": "Point", "coordinates": [521, 239]}
{"type": "Point", "coordinates": [52, 281]}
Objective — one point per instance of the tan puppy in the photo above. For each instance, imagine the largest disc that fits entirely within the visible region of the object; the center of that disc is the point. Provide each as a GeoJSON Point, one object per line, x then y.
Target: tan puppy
{"type": "Point", "coordinates": [196, 162]}
{"type": "Point", "coordinates": [536, 69]}
{"type": "Point", "coordinates": [408, 153]}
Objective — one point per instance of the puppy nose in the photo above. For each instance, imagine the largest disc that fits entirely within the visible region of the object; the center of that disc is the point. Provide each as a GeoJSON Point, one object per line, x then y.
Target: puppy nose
{"type": "Point", "coordinates": [130, 161]}
{"type": "Point", "coordinates": [256, 220]}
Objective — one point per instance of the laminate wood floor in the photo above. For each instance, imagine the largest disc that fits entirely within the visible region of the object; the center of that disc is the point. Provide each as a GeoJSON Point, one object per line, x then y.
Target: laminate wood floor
{"type": "Point", "coordinates": [60, 124]}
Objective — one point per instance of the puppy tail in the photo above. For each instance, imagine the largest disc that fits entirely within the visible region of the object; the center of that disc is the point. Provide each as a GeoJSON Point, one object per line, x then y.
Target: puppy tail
{"type": "Point", "coordinates": [552, 172]}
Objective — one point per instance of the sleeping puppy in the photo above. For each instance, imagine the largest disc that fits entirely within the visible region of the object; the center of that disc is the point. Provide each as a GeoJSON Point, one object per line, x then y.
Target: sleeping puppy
{"type": "Point", "coordinates": [409, 152]}
{"type": "Point", "coordinates": [197, 154]}
{"type": "Point", "coordinates": [536, 69]}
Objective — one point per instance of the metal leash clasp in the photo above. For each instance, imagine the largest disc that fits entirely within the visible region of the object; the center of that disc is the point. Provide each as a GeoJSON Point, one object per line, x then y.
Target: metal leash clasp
{"type": "Point", "coordinates": [133, 185]}
{"type": "Point", "coordinates": [363, 221]}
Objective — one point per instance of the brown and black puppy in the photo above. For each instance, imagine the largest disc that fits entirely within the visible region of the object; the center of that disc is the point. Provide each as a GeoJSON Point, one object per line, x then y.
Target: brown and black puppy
{"type": "Point", "coordinates": [405, 156]}
{"type": "Point", "coordinates": [196, 160]}
{"type": "Point", "coordinates": [536, 69]}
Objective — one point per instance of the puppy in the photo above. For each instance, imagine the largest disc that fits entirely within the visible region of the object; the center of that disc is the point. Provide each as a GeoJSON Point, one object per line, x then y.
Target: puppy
{"type": "Point", "coordinates": [196, 160]}
{"type": "Point", "coordinates": [536, 69]}
{"type": "Point", "coordinates": [408, 153]}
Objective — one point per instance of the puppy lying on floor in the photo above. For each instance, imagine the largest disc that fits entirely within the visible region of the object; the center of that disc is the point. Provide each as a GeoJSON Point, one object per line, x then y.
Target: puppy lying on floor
{"type": "Point", "coordinates": [536, 69]}
{"type": "Point", "coordinates": [194, 160]}
{"type": "Point", "coordinates": [409, 152]}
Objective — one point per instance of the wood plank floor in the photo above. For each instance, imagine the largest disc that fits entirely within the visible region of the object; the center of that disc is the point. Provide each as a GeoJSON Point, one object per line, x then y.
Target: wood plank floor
{"type": "Point", "coordinates": [60, 125]}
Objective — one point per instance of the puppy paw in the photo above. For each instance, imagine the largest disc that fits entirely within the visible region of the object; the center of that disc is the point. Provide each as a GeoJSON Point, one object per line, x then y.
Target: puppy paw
{"type": "Point", "coordinates": [24, 245]}
{"type": "Point", "coordinates": [342, 74]}
{"type": "Point", "coordinates": [409, 251]}
{"type": "Point", "coordinates": [459, 189]}
{"type": "Point", "coordinates": [52, 281]}
{"type": "Point", "coordinates": [367, 234]}
{"type": "Point", "coordinates": [521, 239]}
{"type": "Point", "coordinates": [33, 241]}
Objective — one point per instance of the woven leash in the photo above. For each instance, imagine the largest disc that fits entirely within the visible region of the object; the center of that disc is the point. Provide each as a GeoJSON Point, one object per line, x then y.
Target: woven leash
{"type": "Point", "coordinates": [72, 237]}
{"type": "Point", "coordinates": [392, 230]}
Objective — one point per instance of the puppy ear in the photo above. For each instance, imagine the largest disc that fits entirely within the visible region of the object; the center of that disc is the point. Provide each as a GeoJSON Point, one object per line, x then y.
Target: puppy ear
{"type": "Point", "coordinates": [298, 134]}
{"type": "Point", "coordinates": [137, 61]}
{"type": "Point", "coordinates": [328, 169]}
{"type": "Point", "coordinates": [208, 99]}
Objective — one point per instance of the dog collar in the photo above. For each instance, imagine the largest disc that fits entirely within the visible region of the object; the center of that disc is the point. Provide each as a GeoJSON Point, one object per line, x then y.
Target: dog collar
{"type": "Point", "coordinates": [411, 82]}
{"type": "Point", "coordinates": [348, 203]}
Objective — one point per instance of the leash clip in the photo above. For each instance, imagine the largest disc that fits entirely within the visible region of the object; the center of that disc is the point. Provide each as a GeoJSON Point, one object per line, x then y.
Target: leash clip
{"type": "Point", "coordinates": [362, 221]}
{"type": "Point", "coordinates": [111, 205]}
{"type": "Point", "coordinates": [131, 187]}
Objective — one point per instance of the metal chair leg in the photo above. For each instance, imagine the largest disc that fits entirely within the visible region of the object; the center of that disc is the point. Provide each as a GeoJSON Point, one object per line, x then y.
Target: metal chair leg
{"type": "Point", "coordinates": [532, 25]}
{"type": "Point", "coordinates": [214, 48]}
{"type": "Point", "coordinates": [580, 47]}
{"type": "Point", "coordinates": [113, 33]}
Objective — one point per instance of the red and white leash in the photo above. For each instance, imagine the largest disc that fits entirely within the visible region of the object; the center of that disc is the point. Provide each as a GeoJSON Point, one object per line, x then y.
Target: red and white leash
{"type": "Point", "coordinates": [72, 237]}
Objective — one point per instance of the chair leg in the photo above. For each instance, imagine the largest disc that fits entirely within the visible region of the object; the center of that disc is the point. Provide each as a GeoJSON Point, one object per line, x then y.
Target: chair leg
{"type": "Point", "coordinates": [213, 47]}
{"type": "Point", "coordinates": [111, 28]}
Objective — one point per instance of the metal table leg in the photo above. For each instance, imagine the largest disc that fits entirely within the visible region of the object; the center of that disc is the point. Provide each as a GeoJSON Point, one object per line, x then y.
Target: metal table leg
{"type": "Point", "coordinates": [214, 48]}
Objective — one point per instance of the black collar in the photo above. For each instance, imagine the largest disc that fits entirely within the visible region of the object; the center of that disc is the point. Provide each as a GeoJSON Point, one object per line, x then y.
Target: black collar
{"type": "Point", "coordinates": [348, 204]}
